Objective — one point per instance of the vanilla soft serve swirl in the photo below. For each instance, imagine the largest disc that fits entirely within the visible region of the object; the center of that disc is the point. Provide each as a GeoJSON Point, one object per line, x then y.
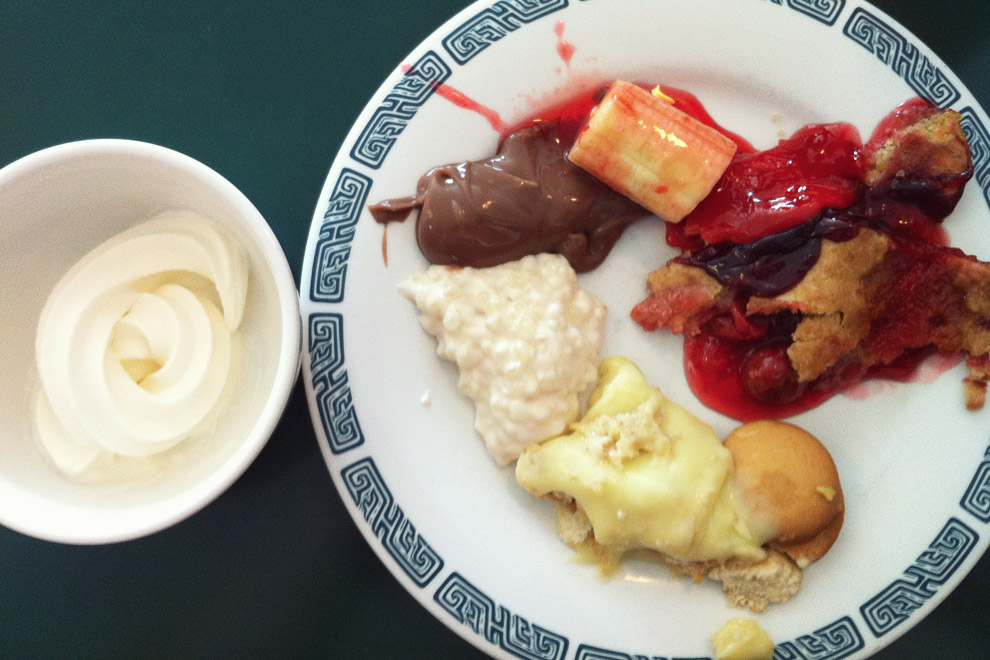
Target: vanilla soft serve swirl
{"type": "Point", "coordinates": [134, 343]}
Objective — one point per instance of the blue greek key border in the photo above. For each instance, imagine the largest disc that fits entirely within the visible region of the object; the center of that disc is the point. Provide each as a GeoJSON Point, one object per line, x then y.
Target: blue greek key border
{"type": "Point", "coordinates": [839, 639]}
{"type": "Point", "coordinates": [979, 143]}
{"type": "Point", "coordinates": [976, 499]}
{"type": "Point", "coordinates": [922, 580]}
{"type": "Point", "coordinates": [835, 641]}
{"type": "Point", "coordinates": [904, 58]}
{"type": "Point", "coordinates": [586, 652]}
{"type": "Point", "coordinates": [471, 607]}
{"type": "Point", "coordinates": [826, 11]}
{"type": "Point", "coordinates": [333, 247]}
{"type": "Point", "coordinates": [330, 386]}
{"type": "Point", "coordinates": [399, 106]}
{"type": "Point", "coordinates": [488, 26]}
{"type": "Point", "coordinates": [398, 536]}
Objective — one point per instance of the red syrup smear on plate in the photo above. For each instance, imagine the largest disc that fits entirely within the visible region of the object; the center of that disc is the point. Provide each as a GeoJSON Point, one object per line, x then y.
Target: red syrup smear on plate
{"type": "Point", "coordinates": [462, 100]}
{"type": "Point", "coordinates": [928, 370]}
{"type": "Point", "coordinates": [571, 114]}
{"type": "Point", "coordinates": [714, 368]}
{"type": "Point", "coordinates": [564, 48]}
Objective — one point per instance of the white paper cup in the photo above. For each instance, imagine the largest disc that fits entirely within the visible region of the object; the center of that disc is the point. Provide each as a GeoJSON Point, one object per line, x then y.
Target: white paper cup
{"type": "Point", "coordinates": [55, 206]}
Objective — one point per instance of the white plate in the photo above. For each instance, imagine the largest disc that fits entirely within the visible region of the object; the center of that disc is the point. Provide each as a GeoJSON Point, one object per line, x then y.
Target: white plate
{"type": "Point", "coordinates": [465, 540]}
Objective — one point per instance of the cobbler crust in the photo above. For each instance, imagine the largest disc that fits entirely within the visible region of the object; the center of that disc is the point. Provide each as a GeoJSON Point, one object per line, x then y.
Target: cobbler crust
{"type": "Point", "coordinates": [865, 302]}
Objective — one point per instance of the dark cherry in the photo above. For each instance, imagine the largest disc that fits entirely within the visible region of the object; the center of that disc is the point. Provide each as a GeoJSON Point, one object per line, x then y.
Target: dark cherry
{"type": "Point", "coordinates": [768, 377]}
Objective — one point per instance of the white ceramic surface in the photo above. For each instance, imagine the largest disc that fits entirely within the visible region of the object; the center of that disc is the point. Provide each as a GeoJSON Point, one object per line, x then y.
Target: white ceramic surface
{"type": "Point", "coordinates": [55, 206]}
{"type": "Point", "coordinates": [474, 548]}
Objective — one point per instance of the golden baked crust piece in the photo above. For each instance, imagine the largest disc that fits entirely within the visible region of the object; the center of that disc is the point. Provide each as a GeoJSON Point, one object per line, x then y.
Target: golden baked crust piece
{"type": "Point", "coordinates": [975, 385]}
{"type": "Point", "coordinates": [775, 579]}
{"type": "Point", "coordinates": [679, 294]}
{"type": "Point", "coordinates": [925, 163]}
{"type": "Point", "coordinates": [933, 146]}
{"type": "Point", "coordinates": [868, 299]}
{"type": "Point", "coordinates": [834, 302]}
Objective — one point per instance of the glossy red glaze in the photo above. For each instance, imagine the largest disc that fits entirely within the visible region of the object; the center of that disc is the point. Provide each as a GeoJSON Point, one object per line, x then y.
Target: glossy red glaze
{"type": "Point", "coordinates": [767, 192]}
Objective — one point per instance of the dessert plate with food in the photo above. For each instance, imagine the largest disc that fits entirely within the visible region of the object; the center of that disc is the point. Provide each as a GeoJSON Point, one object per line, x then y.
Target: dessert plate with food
{"type": "Point", "coordinates": [631, 334]}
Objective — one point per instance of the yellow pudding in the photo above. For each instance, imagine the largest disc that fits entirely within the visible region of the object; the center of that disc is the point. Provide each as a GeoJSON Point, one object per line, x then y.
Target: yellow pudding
{"type": "Point", "coordinates": [647, 474]}
{"type": "Point", "coordinates": [742, 639]}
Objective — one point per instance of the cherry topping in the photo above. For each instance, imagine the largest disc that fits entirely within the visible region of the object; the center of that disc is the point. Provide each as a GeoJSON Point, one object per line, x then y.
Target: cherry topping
{"type": "Point", "coordinates": [767, 192]}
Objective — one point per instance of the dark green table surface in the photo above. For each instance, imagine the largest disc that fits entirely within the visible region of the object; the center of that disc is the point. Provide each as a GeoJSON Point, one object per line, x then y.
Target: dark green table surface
{"type": "Point", "coordinates": [264, 92]}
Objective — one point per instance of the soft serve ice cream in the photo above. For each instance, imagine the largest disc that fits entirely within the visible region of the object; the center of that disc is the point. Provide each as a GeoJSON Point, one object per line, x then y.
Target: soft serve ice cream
{"type": "Point", "coordinates": [134, 344]}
